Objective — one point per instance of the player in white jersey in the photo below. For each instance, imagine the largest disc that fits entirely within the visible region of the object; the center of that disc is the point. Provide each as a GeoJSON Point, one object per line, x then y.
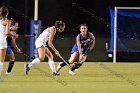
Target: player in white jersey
{"type": "Point", "coordinates": [4, 31]}
{"type": "Point", "coordinates": [47, 37]}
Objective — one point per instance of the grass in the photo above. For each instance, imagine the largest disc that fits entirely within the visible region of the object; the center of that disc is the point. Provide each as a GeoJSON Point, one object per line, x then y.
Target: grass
{"type": "Point", "coordinates": [92, 77]}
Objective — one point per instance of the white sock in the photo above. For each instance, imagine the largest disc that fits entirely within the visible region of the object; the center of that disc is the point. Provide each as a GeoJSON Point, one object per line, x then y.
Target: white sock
{"type": "Point", "coordinates": [34, 62]}
{"type": "Point", "coordinates": [52, 65]}
{"type": "Point", "coordinates": [1, 67]}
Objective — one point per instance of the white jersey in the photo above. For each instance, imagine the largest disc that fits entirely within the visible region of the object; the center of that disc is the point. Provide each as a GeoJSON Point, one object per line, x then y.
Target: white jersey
{"type": "Point", "coordinates": [3, 36]}
{"type": "Point", "coordinates": [43, 38]}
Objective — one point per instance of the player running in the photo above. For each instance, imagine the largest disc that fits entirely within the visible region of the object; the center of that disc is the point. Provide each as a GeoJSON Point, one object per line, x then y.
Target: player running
{"type": "Point", "coordinates": [47, 37]}
{"type": "Point", "coordinates": [84, 42]}
{"type": "Point", "coordinates": [11, 41]}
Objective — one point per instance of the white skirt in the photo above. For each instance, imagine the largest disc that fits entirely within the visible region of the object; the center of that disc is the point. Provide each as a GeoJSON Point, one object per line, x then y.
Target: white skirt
{"type": "Point", "coordinates": [39, 44]}
{"type": "Point", "coordinates": [3, 45]}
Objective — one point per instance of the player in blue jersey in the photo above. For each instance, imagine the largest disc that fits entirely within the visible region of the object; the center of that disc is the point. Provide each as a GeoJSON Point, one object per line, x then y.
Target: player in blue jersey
{"type": "Point", "coordinates": [11, 42]}
{"type": "Point", "coordinates": [84, 42]}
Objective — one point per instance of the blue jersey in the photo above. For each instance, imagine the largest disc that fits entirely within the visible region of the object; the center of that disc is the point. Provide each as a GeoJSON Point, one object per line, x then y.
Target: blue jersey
{"type": "Point", "coordinates": [9, 44]}
{"type": "Point", "coordinates": [85, 44]}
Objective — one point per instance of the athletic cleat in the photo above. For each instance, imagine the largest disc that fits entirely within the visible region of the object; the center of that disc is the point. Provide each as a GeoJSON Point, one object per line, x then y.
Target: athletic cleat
{"type": "Point", "coordinates": [9, 73]}
{"type": "Point", "coordinates": [55, 74]}
{"type": "Point", "coordinates": [71, 72]}
{"type": "Point", "coordinates": [27, 69]}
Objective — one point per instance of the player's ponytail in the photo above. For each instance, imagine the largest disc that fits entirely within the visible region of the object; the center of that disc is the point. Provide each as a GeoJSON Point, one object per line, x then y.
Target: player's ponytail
{"type": "Point", "coordinates": [3, 12]}
{"type": "Point", "coordinates": [59, 24]}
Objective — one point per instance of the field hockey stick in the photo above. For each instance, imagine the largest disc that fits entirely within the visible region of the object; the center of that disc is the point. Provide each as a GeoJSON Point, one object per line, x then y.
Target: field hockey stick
{"type": "Point", "coordinates": [27, 55]}
{"type": "Point", "coordinates": [65, 62]}
{"type": "Point", "coordinates": [23, 53]}
{"type": "Point", "coordinates": [25, 36]}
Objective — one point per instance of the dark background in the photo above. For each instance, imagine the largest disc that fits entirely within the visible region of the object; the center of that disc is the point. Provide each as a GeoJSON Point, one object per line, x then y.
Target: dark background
{"type": "Point", "coordinates": [95, 13]}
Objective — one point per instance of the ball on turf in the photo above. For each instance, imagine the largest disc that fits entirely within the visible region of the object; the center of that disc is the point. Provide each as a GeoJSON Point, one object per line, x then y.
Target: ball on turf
{"type": "Point", "coordinates": [76, 69]}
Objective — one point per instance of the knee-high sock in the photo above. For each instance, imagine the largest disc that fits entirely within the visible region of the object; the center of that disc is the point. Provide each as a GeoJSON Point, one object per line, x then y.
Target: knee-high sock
{"type": "Point", "coordinates": [63, 64]}
{"type": "Point", "coordinates": [1, 67]}
{"type": "Point", "coordinates": [76, 66]}
{"type": "Point", "coordinates": [10, 66]}
{"type": "Point", "coordinates": [52, 66]}
{"type": "Point", "coordinates": [34, 62]}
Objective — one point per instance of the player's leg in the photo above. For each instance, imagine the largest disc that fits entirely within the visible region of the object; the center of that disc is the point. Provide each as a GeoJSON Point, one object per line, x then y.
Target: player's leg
{"type": "Point", "coordinates": [73, 58]}
{"type": "Point", "coordinates": [41, 53]}
{"type": "Point", "coordinates": [2, 58]}
{"type": "Point", "coordinates": [77, 65]}
{"type": "Point", "coordinates": [60, 65]}
{"type": "Point", "coordinates": [11, 57]}
{"type": "Point", "coordinates": [51, 62]}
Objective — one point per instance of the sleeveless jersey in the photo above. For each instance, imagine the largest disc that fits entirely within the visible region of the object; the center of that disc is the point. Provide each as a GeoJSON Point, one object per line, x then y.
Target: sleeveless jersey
{"type": "Point", "coordinates": [2, 32]}
{"type": "Point", "coordinates": [84, 41]}
{"type": "Point", "coordinates": [85, 44]}
{"type": "Point", "coordinates": [43, 38]}
{"type": "Point", "coordinates": [9, 39]}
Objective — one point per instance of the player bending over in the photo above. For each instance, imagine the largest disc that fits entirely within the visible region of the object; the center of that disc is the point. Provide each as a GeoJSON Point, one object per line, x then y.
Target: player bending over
{"type": "Point", "coordinates": [84, 42]}
{"type": "Point", "coordinates": [47, 37]}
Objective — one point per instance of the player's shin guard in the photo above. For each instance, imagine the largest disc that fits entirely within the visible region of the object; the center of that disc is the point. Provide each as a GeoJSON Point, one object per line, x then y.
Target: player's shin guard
{"type": "Point", "coordinates": [10, 66]}
{"type": "Point", "coordinates": [76, 66]}
{"type": "Point", "coordinates": [63, 64]}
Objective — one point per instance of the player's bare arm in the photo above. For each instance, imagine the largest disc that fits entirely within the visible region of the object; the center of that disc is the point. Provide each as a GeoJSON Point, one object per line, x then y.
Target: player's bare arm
{"type": "Point", "coordinates": [92, 41]}
{"type": "Point", "coordinates": [14, 44]}
{"type": "Point", "coordinates": [7, 32]}
{"type": "Point", "coordinates": [79, 44]}
{"type": "Point", "coordinates": [50, 41]}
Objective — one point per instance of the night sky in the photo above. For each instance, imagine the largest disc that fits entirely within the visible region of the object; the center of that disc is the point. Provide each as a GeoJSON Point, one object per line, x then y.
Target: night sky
{"type": "Point", "coordinates": [67, 10]}
{"type": "Point", "coordinates": [95, 13]}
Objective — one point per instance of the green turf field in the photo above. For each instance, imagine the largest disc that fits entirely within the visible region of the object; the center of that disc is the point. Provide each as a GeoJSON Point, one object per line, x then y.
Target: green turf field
{"type": "Point", "coordinates": [92, 77]}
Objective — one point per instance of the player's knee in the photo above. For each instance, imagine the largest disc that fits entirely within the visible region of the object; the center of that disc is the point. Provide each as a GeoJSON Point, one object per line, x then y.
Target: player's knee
{"type": "Point", "coordinates": [70, 61]}
{"type": "Point", "coordinates": [12, 59]}
{"type": "Point", "coordinates": [41, 58]}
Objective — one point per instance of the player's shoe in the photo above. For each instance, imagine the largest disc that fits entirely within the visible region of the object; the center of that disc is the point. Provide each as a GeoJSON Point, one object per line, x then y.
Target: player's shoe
{"type": "Point", "coordinates": [71, 72]}
{"type": "Point", "coordinates": [9, 73]}
{"type": "Point", "coordinates": [26, 68]}
{"type": "Point", "coordinates": [55, 74]}
{"type": "Point", "coordinates": [58, 67]}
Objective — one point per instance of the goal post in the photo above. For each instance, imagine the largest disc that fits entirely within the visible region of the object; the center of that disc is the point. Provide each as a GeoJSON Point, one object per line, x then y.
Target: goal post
{"type": "Point", "coordinates": [132, 12]}
{"type": "Point", "coordinates": [35, 29]}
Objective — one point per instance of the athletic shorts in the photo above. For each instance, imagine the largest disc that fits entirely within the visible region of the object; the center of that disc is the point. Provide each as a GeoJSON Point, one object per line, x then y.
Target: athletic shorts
{"type": "Point", "coordinates": [39, 44]}
{"type": "Point", "coordinates": [9, 50]}
{"type": "Point", "coordinates": [75, 49]}
{"type": "Point", "coordinates": [3, 45]}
